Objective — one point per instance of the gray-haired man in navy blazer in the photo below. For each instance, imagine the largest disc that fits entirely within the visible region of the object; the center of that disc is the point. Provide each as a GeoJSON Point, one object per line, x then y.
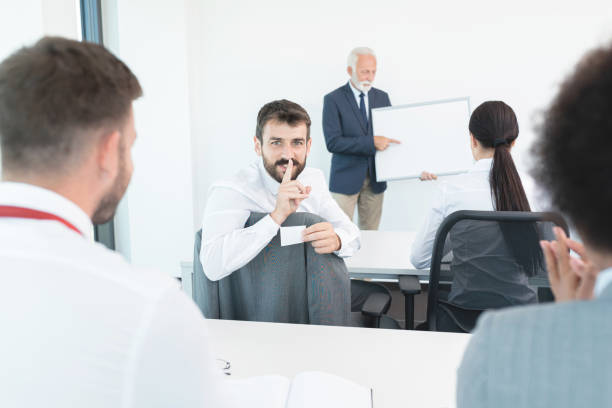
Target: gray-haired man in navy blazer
{"type": "Point", "coordinates": [349, 136]}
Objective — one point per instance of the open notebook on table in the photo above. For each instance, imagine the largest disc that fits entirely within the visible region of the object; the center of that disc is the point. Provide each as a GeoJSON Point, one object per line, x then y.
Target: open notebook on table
{"type": "Point", "coordinates": [311, 389]}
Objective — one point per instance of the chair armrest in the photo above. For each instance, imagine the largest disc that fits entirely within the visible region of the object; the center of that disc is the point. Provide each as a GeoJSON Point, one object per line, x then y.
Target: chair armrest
{"type": "Point", "coordinates": [409, 284]}
{"type": "Point", "coordinates": [376, 304]}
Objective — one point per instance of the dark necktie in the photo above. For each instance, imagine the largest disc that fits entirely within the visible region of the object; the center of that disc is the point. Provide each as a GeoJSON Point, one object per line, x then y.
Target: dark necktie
{"type": "Point", "coordinates": [362, 108]}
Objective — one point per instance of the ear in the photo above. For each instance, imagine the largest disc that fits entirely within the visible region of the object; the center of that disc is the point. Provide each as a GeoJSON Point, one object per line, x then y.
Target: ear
{"type": "Point", "coordinates": [350, 71]}
{"type": "Point", "coordinates": [513, 143]}
{"type": "Point", "coordinates": [308, 144]}
{"type": "Point", "coordinates": [473, 141]}
{"type": "Point", "coordinates": [257, 145]}
{"type": "Point", "coordinates": [108, 154]}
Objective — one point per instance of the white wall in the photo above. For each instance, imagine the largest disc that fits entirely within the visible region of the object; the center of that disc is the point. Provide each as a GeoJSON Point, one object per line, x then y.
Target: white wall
{"type": "Point", "coordinates": [23, 22]}
{"type": "Point", "coordinates": [249, 53]}
{"type": "Point", "coordinates": [154, 222]}
{"type": "Point", "coordinates": [208, 66]}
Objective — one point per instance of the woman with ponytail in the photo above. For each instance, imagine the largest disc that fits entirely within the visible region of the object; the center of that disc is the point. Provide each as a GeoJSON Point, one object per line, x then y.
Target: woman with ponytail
{"type": "Point", "coordinates": [492, 184]}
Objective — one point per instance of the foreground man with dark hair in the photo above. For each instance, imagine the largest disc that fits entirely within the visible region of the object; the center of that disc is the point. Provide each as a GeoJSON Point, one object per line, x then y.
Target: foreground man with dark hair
{"type": "Point", "coordinates": [80, 327]}
{"type": "Point", "coordinates": [559, 355]}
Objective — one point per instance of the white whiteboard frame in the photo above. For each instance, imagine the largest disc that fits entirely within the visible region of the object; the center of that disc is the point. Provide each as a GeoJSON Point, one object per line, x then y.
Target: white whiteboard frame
{"type": "Point", "coordinates": [412, 105]}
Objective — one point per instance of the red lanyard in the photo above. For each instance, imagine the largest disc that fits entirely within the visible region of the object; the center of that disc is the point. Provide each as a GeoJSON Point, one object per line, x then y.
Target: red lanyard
{"type": "Point", "coordinates": [8, 211]}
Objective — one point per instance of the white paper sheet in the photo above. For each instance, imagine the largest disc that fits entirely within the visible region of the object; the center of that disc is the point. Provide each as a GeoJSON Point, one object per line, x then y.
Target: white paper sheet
{"type": "Point", "coordinates": [292, 235]}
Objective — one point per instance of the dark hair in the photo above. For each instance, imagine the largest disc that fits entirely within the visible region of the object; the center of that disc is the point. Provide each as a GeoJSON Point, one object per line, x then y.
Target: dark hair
{"type": "Point", "coordinates": [282, 111]}
{"type": "Point", "coordinates": [574, 150]}
{"type": "Point", "coordinates": [52, 95]}
{"type": "Point", "coordinates": [494, 125]}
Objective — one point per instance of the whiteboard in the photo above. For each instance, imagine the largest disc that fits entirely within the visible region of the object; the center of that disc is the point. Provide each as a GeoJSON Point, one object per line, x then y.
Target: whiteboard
{"type": "Point", "coordinates": [434, 137]}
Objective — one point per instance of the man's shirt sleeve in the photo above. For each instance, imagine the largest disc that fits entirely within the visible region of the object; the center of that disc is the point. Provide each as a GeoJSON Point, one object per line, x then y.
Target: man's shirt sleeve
{"type": "Point", "coordinates": [226, 244]}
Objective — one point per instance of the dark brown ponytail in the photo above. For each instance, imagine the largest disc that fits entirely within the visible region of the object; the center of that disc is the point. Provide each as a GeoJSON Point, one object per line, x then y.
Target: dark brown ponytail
{"type": "Point", "coordinates": [494, 125]}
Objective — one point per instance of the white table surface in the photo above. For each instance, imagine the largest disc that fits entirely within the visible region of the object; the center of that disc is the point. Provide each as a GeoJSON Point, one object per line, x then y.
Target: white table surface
{"type": "Point", "coordinates": [405, 368]}
{"type": "Point", "coordinates": [384, 254]}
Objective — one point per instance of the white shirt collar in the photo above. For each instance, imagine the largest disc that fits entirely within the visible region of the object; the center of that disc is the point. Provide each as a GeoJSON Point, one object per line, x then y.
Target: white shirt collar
{"type": "Point", "coordinates": [482, 165]}
{"type": "Point", "coordinates": [604, 278]}
{"type": "Point", "coordinates": [356, 91]}
{"type": "Point", "coordinates": [41, 199]}
{"type": "Point", "coordinates": [271, 184]}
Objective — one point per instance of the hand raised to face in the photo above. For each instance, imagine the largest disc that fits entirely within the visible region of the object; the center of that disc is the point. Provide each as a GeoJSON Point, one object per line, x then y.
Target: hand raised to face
{"type": "Point", "coordinates": [290, 194]}
{"type": "Point", "coordinates": [570, 278]}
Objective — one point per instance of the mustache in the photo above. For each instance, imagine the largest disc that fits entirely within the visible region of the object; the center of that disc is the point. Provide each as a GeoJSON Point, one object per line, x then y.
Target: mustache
{"type": "Point", "coordinates": [284, 162]}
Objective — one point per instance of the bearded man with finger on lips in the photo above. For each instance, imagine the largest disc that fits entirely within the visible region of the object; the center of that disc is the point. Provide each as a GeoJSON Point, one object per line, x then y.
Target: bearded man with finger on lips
{"type": "Point", "coordinates": [277, 183]}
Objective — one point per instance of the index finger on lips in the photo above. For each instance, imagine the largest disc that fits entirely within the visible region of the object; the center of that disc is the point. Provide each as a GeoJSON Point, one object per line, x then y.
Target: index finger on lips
{"type": "Point", "coordinates": [287, 175]}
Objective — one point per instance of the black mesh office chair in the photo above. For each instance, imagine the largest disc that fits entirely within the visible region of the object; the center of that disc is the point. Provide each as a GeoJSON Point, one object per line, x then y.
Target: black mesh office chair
{"type": "Point", "coordinates": [370, 302]}
{"type": "Point", "coordinates": [496, 262]}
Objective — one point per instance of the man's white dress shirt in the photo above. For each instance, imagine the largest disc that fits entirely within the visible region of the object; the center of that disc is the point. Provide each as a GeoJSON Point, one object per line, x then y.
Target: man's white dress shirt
{"type": "Point", "coordinates": [227, 245]}
{"type": "Point", "coordinates": [82, 328]}
{"type": "Point", "coordinates": [366, 101]}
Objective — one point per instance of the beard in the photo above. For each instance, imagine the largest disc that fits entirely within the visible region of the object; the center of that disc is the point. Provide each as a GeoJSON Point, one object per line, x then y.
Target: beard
{"type": "Point", "coordinates": [108, 204]}
{"type": "Point", "coordinates": [363, 86]}
{"type": "Point", "coordinates": [274, 170]}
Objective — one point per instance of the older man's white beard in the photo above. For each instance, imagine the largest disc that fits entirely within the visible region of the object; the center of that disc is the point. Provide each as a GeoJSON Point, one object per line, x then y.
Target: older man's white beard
{"type": "Point", "coordinates": [363, 86]}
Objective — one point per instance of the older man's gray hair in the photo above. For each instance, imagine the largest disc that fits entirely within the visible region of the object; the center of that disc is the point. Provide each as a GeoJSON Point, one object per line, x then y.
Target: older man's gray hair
{"type": "Point", "coordinates": [355, 53]}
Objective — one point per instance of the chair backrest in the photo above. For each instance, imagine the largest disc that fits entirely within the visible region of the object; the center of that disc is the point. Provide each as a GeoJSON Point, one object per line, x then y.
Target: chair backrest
{"type": "Point", "coordinates": [495, 256]}
{"type": "Point", "coordinates": [291, 284]}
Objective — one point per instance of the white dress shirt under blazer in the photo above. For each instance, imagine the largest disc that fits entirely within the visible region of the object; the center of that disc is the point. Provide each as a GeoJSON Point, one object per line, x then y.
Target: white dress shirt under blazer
{"type": "Point", "coordinates": [227, 245]}
{"type": "Point", "coordinates": [366, 100]}
{"type": "Point", "coordinates": [82, 328]}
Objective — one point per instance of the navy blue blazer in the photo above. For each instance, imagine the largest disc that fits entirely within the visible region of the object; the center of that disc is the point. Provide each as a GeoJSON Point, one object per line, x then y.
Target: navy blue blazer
{"type": "Point", "coordinates": [351, 140]}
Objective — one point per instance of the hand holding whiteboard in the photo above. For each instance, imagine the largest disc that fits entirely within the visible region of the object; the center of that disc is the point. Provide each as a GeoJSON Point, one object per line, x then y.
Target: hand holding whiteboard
{"type": "Point", "coordinates": [434, 137]}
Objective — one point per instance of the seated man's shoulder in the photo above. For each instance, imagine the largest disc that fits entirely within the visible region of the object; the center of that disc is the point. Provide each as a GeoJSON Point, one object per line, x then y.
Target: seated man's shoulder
{"type": "Point", "coordinates": [110, 266]}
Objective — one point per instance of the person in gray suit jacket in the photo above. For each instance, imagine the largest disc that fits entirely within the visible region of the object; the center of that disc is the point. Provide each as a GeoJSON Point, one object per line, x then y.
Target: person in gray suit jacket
{"type": "Point", "coordinates": [559, 355]}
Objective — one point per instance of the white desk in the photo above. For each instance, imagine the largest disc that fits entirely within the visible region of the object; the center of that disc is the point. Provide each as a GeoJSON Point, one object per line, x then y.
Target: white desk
{"type": "Point", "coordinates": [405, 368]}
{"type": "Point", "coordinates": [384, 255]}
